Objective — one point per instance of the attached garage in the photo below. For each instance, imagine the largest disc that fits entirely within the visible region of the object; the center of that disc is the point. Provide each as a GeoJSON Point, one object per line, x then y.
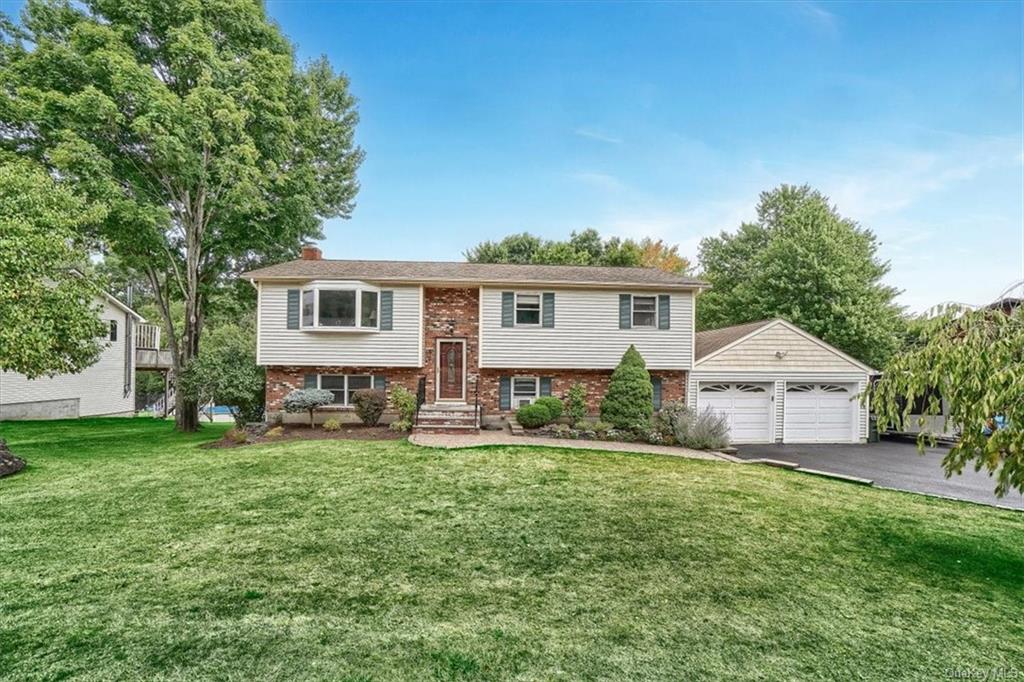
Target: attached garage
{"type": "Point", "coordinates": [774, 382]}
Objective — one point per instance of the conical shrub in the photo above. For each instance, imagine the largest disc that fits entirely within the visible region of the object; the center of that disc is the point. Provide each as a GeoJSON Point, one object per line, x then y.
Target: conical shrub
{"type": "Point", "coordinates": [629, 402]}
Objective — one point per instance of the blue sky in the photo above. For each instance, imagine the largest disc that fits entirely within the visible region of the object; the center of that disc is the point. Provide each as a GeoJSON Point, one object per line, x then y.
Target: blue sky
{"type": "Point", "coordinates": [668, 119]}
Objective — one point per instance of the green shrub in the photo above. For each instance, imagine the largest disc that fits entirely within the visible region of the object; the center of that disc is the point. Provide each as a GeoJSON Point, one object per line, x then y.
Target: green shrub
{"type": "Point", "coordinates": [332, 425]}
{"type": "Point", "coordinates": [629, 403]}
{"type": "Point", "coordinates": [602, 428]}
{"type": "Point", "coordinates": [307, 400]}
{"type": "Point", "coordinates": [562, 430]}
{"type": "Point", "coordinates": [403, 401]}
{"type": "Point", "coordinates": [585, 425]}
{"type": "Point", "coordinates": [553, 404]}
{"type": "Point", "coordinates": [534, 415]}
{"type": "Point", "coordinates": [369, 404]}
{"type": "Point", "coordinates": [576, 403]}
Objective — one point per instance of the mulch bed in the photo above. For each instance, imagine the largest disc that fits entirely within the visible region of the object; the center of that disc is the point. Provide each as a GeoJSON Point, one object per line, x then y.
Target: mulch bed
{"type": "Point", "coordinates": [293, 432]}
{"type": "Point", "coordinates": [9, 464]}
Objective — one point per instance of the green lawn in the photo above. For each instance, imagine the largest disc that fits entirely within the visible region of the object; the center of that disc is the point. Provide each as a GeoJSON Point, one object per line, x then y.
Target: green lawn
{"type": "Point", "coordinates": [129, 552]}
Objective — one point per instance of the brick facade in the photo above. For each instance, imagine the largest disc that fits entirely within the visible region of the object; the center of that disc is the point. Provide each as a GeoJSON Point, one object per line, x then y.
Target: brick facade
{"type": "Point", "coordinates": [451, 314]}
{"type": "Point", "coordinates": [283, 380]}
{"type": "Point", "coordinates": [673, 384]}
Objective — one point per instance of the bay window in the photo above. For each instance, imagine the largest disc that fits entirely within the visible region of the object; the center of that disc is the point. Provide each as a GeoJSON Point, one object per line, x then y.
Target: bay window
{"type": "Point", "coordinates": [340, 306]}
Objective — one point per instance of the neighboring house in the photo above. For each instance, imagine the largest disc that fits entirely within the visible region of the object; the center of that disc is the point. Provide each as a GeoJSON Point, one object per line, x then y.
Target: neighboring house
{"type": "Point", "coordinates": [105, 388]}
{"type": "Point", "coordinates": [777, 383]}
{"type": "Point", "coordinates": [502, 335]}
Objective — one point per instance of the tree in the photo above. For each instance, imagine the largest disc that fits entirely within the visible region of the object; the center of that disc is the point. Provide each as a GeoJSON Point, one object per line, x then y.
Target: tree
{"type": "Point", "coordinates": [803, 262]}
{"type": "Point", "coordinates": [658, 254]}
{"type": "Point", "coordinates": [49, 323]}
{"type": "Point", "coordinates": [225, 372]}
{"type": "Point", "coordinates": [975, 362]}
{"type": "Point", "coordinates": [582, 248]}
{"type": "Point", "coordinates": [629, 402]}
{"type": "Point", "coordinates": [192, 124]}
{"type": "Point", "coordinates": [308, 400]}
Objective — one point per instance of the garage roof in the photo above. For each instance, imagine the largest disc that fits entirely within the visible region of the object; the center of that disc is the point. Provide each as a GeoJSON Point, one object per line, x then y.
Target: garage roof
{"type": "Point", "coordinates": [708, 342]}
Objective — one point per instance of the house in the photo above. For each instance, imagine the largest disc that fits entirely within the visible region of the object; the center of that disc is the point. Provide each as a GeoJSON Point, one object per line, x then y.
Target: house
{"type": "Point", "coordinates": [777, 383]}
{"type": "Point", "coordinates": [494, 335]}
{"type": "Point", "coordinates": [500, 336]}
{"type": "Point", "coordinates": [105, 388]}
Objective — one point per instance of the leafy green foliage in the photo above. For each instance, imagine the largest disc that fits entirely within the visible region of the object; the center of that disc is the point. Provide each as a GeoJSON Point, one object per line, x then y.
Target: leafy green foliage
{"type": "Point", "coordinates": [225, 372]}
{"type": "Point", "coordinates": [403, 401]}
{"type": "Point", "coordinates": [582, 248]}
{"type": "Point", "coordinates": [534, 415]}
{"type": "Point", "coordinates": [576, 400]}
{"type": "Point", "coordinates": [629, 403]}
{"type": "Point", "coordinates": [553, 405]}
{"type": "Point", "coordinates": [369, 404]}
{"type": "Point", "coordinates": [307, 400]}
{"type": "Point", "coordinates": [191, 124]}
{"type": "Point", "coordinates": [807, 264]}
{"type": "Point", "coordinates": [49, 323]}
{"type": "Point", "coordinates": [975, 361]}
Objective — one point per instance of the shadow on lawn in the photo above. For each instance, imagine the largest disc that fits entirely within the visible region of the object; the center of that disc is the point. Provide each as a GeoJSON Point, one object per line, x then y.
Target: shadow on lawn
{"type": "Point", "coordinates": [933, 557]}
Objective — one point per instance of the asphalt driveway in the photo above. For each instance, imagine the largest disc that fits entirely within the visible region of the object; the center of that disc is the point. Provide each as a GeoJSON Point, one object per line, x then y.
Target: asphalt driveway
{"type": "Point", "coordinates": [890, 464]}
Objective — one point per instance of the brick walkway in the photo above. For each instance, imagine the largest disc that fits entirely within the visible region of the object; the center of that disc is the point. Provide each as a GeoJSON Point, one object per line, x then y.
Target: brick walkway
{"type": "Point", "coordinates": [449, 441]}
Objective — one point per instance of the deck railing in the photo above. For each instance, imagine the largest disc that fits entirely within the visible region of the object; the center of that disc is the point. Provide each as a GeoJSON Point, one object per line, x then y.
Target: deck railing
{"type": "Point", "coordinates": [147, 336]}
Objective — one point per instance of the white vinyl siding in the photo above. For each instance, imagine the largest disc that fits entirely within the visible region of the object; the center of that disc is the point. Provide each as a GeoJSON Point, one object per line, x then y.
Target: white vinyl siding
{"type": "Point", "coordinates": [99, 389]}
{"type": "Point", "coordinates": [397, 347]}
{"type": "Point", "coordinates": [586, 334]}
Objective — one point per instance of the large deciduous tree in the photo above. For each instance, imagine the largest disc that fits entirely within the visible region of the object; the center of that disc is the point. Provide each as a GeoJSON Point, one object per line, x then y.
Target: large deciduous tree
{"type": "Point", "coordinates": [192, 124]}
{"type": "Point", "coordinates": [582, 248]}
{"type": "Point", "coordinates": [974, 362]}
{"type": "Point", "coordinates": [48, 322]}
{"type": "Point", "coordinates": [804, 262]}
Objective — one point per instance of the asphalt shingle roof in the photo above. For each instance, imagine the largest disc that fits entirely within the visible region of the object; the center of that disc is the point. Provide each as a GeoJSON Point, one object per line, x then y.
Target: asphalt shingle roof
{"type": "Point", "coordinates": [432, 271]}
{"type": "Point", "coordinates": [708, 342]}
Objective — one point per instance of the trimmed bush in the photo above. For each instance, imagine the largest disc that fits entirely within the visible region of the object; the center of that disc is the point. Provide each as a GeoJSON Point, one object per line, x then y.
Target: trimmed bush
{"type": "Point", "coordinates": [534, 415]}
{"type": "Point", "coordinates": [307, 400]}
{"type": "Point", "coordinates": [629, 403]}
{"type": "Point", "coordinates": [332, 425]}
{"type": "Point", "coordinates": [553, 404]}
{"type": "Point", "coordinates": [403, 401]}
{"type": "Point", "coordinates": [275, 432]}
{"type": "Point", "coordinates": [370, 404]}
{"type": "Point", "coordinates": [576, 403]}
{"type": "Point", "coordinates": [602, 428]}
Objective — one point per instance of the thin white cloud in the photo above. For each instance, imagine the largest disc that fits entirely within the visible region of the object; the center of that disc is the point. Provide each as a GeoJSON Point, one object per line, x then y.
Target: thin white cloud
{"type": "Point", "coordinates": [820, 18]}
{"type": "Point", "coordinates": [596, 134]}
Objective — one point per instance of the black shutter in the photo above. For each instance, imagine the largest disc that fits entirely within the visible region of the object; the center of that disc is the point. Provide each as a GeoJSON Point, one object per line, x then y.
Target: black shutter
{"type": "Point", "coordinates": [548, 309]}
{"type": "Point", "coordinates": [309, 381]}
{"type": "Point", "coordinates": [656, 385]}
{"type": "Point", "coordinates": [387, 313]}
{"type": "Point", "coordinates": [508, 309]}
{"type": "Point", "coordinates": [545, 386]}
{"type": "Point", "coordinates": [625, 311]}
{"type": "Point", "coordinates": [380, 383]}
{"type": "Point", "coordinates": [293, 308]}
{"type": "Point", "coordinates": [505, 393]}
{"type": "Point", "coordinates": [664, 311]}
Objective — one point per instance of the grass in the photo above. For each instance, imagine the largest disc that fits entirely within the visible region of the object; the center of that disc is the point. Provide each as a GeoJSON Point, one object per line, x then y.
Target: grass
{"type": "Point", "coordinates": [128, 552]}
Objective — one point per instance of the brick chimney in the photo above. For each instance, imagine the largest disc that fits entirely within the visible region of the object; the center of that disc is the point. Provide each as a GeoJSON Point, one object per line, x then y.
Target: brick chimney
{"type": "Point", "coordinates": [310, 252]}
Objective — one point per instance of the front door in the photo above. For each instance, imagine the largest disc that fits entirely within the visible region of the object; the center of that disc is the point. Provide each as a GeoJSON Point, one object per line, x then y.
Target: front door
{"type": "Point", "coordinates": [451, 369]}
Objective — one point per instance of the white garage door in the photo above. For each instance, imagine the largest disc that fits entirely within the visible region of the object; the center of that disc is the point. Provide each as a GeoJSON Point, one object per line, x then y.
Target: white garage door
{"type": "Point", "coordinates": [748, 407]}
{"type": "Point", "coordinates": [820, 413]}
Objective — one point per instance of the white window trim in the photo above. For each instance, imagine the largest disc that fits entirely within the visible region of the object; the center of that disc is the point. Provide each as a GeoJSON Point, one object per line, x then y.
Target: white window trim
{"type": "Point", "coordinates": [632, 311]}
{"type": "Point", "coordinates": [540, 309]}
{"type": "Point", "coordinates": [512, 390]}
{"type": "Point", "coordinates": [357, 287]}
{"type": "Point", "coordinates": [345, 405]}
